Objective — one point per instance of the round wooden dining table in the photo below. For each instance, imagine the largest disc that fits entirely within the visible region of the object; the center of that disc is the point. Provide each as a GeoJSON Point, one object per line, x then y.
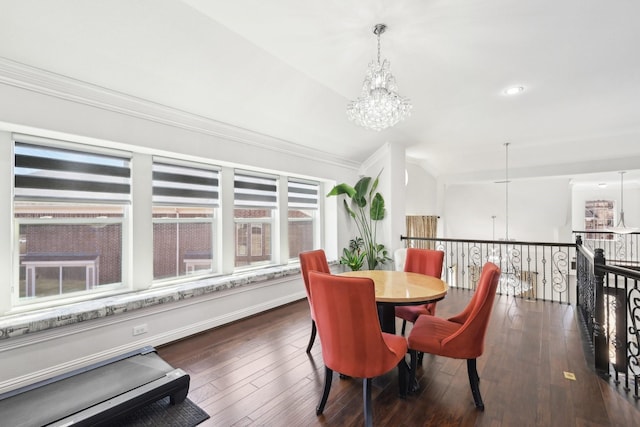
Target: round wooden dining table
{"type": "Point", "coordinates": [400, 288]}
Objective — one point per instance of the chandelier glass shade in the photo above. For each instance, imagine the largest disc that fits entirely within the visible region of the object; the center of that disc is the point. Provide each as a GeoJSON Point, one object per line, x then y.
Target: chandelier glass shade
{"type": "Point", "coordinates": [379, 105]}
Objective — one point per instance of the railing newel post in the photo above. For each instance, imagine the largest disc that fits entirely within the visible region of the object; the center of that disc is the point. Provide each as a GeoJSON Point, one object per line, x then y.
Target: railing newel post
{"type": "Point", "coordinates": [600, 337]}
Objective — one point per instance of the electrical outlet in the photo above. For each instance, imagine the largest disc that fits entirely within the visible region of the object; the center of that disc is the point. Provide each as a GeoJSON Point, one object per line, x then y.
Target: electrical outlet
{"type": "Point", "coordinates": [140, 329]}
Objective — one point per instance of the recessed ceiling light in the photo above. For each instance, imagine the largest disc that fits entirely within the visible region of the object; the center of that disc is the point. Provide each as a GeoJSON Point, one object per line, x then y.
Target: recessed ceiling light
{"type": "Point", "coordinates": [602, 185]}
{"type": "Point", "coordinates": [513, 90]}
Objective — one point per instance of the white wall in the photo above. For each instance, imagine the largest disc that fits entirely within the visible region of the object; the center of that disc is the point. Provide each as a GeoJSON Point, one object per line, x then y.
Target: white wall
{"type": "Point", "coordinates": [546, 209]}
{"type": "Point", "coordinates": [539, 210]}
{"type": "Point", "coordinates": [421, 192]}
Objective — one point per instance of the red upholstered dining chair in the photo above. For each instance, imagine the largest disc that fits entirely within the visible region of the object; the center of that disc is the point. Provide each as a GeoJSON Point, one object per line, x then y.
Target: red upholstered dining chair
{"type": "Point", "coordinates": [460, 336]}
{"type": "Point", "coordinates": [423, 261]}
{"type": "Point", "coordinates": [352, 341]}
{"type": "Point", "coordinates": [312, 261]}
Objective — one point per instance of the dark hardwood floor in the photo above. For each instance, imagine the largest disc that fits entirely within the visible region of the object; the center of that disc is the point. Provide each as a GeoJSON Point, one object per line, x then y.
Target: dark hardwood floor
{"type": "Point", "coordinates": [256, 372]}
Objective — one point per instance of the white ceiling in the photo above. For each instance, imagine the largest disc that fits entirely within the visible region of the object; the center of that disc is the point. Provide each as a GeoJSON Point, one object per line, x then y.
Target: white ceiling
{"type": "Point", "coordinates": [287, 68]}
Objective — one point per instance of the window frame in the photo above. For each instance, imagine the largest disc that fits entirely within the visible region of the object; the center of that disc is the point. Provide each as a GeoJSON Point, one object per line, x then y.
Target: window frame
{"type": "Point", "coordinates": [65, 201]}
{"type": "Point", "coordinates": [256, 191]}
{"type": "Point", "coordinates": [205, 179]}
{"type": "Point", "coordinates": [303, 196]}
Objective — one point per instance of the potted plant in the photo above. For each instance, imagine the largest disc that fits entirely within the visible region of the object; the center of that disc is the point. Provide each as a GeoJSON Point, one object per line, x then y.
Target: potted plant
{"type": "Point", "coordinates": [353, 256]}
{"type": "Point", "coordinates": [366, 207]}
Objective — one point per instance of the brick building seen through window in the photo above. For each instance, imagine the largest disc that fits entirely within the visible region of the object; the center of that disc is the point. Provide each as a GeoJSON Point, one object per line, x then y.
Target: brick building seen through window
{"type": "Point", "coordinates": [67, 258]}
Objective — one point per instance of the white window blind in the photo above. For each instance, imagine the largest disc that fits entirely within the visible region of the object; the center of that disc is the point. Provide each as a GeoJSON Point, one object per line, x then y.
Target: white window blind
{"type": "Point", "coordinates": [183, 185]}
{"type": "Point", "coordinates": [302, 194]}
{"type": "Point", "coordinates": [255, 191]}
{"type": "Point", "coordinates": [52, 173]}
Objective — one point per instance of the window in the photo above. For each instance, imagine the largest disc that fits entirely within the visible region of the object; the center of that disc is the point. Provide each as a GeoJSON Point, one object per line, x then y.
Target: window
{"type": "Point", "coordinates": [69, 209]}
{"type": "Point", "coordinates": [598, 216]}
{"type": "Point", "coordinates": [73, 206]}
{"type": "Point", "coordinates": [185, 205]}
{"type": "Point", "coordinates": [255, 209]}
{"type": "Point", "coordinates": [302, 216]}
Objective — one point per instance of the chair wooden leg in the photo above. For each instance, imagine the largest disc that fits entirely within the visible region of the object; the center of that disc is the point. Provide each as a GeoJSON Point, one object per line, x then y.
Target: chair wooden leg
{"type": "Point", "coordinates": [403, 374]}
{"type": "Point", "coordinates": [312, 338]}
{"type": "Point", "coordinates": [368, 410]}
{"type": "Point", "coordinates": [328, 376]}
{"type": "Point", "coordinates": [413, 383]}
{"type": "Point", "coordinates": [404, 326]}
{"type": "Point", "coordinates": [474, 381]}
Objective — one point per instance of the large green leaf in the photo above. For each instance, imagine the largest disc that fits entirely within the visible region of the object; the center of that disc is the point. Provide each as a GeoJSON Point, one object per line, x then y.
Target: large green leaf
{"type": "Point", "coordinates": [342, 189]}
{"type": "Point", "coordinates": [361, 188]}
{"type": "Point", "coordinates": [375, 184]}
{"type": "Point", "coordinates": [351, 211]}
{"type": "Point", "coordinates": [377, 207]}
{"type": "Point", "coordinates": [362, 185]}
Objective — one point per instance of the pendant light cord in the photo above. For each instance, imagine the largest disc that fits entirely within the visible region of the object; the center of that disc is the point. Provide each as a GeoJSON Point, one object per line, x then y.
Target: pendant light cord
{"type": "Point", "coordinates": [506, 186]}
{"type": "Point", "coordinates": [621, 220]}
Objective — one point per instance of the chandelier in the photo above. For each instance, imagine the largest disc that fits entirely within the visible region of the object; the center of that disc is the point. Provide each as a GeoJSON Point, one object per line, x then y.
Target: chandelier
{"type": "Point", "coordinates": [379, 105]}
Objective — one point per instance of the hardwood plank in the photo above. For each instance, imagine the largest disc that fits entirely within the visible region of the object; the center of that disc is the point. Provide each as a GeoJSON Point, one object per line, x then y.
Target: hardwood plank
{"type": "Point", "coordinates": [255, 372]}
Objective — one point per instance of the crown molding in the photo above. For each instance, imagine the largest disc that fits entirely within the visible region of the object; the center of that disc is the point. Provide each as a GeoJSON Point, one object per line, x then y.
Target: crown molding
{"type": "Point", "coordinates": [378, 156]}
{"type": "Point", "coordinates": [51, 84]}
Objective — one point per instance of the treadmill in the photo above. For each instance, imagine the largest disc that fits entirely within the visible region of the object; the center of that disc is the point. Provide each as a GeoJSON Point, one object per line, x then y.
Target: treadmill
{"type": "Point", "coordinates": [96, 395]}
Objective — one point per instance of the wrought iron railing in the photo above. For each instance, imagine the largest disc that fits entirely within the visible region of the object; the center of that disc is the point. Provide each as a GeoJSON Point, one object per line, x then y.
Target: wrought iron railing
{"type": "Point", "coordinates": [605, 290]}
{"type": "Point", "coordinates": [624, 249]}
{"type": "Point", "coordinates": [609, 305]}
{"type": "Point", "coordinates": [530, 270]}
{"type": "Point", "coordinates": [586, 290]}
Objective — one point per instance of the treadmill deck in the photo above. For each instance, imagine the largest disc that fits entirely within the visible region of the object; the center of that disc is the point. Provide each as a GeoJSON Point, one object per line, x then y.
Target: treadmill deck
{"type": "Point", "coordinates": [96, 394]}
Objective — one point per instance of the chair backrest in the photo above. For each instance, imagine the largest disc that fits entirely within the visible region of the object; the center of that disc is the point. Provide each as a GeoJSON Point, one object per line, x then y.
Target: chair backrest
{"type": "Point", "coordinates": [399, 258]}
{"type": "Point", "coordinates": [468, 341]}
{"type": "Point", "coordinates": [315, 260]}
{"type": "Point", "coordinates": [424, 261]}
{"type": "Point", "coordinates": [348, 325]}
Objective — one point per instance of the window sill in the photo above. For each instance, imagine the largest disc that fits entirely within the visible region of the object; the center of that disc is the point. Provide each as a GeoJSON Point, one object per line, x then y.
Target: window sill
{"type": "Point", "coordinates": [40, 320]}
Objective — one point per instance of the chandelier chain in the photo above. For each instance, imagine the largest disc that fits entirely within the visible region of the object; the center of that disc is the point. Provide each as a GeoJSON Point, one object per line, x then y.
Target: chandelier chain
{"type": "Point", "coordinates": [378, 33]}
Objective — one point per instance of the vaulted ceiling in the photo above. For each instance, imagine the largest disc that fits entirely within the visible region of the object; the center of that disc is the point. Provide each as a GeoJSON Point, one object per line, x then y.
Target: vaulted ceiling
{"type": "Point", "coordinates": [287, 68]}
